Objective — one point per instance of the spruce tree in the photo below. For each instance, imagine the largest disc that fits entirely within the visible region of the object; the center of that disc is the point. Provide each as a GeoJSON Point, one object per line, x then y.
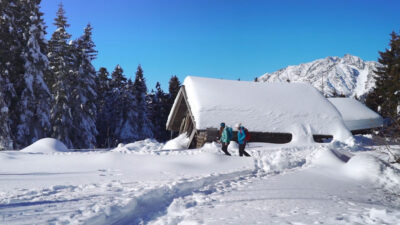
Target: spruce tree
{"type": "Point", "coordinates": [385, 98]}
{"type": "Point", "coordinates": [140, 92]}
{"type": "Point", "coordinates": [174, 86]}
{"type": "Point", "coordinates": [31, 109]}
{"type": "Point", "coordinates": [115, 107]}
{"type": "Point", "coordinates": [158, 113]}
{"type": "Point", "coordinates": [103, 118]}
{"type": "Point", "coordinates": [129, 131]}
{"type": "Point", "coordinates": [61, 59]}
{"type": "Point", "coordinates": [84, 94]}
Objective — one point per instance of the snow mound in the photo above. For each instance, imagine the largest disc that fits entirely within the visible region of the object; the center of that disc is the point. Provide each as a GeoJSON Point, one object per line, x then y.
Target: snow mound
{"type": "Point", "coordinates": [368, 167]}
{"type": "Point", "coordinates": [46, 145]}
{"type": "Point", "coordinates": [359, 167]}
{"type": "Point", "coordinates": [145, 146]}
{"type": "Point", "coordinates": [179, 142]}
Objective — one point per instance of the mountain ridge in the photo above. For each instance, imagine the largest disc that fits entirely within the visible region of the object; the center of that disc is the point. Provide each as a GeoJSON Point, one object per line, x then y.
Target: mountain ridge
{"type": "Point", "coordinates": [349, 76]}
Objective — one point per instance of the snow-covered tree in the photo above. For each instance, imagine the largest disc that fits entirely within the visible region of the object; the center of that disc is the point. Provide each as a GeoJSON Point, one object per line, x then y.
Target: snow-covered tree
{"type": "Point", "coordinates": [140, 92]}
{"type": "Point", "coordinates": [7, 57]}
{"type": "Point", "coordinates": [129, 131]}
{"type": "Point", "coordinates": [32, 106]}
{"type": "Point", "coordinates": [84, 94]}
{"type": "Point", "coordinates": [23, 64]}
{"type": "Point", "coordinates": [61, 59]}
{"type": "Point", "coordinates": [115, 107]}
{"type": "Point", "coordinates": [385, 97]}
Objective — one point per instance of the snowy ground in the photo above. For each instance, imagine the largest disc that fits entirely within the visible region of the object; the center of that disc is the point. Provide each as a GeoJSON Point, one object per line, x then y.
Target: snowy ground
{"type": "Point", "coordinates": [143, 183]}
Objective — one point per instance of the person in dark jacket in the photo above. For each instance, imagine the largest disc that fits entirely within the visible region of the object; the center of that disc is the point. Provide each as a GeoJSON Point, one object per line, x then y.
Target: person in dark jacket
{"type": "Point", "coordinates": [225, 135]}
{"type": "Point", "coordinates": [241, 140]}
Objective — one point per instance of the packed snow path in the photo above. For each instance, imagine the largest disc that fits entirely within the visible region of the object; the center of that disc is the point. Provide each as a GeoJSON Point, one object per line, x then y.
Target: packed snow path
{"type": "Point", "coordinates": [141, 183]}
{"type": "Point", "coordinates": [297, 197]}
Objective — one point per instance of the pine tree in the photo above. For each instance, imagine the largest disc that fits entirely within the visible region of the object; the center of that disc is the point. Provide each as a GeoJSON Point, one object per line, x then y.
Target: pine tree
{"type": "Point", "coordinates": [158, 113]}
{"type": "Point", "coordinates": [115, 108]}
{"type": "Point", "coordinates": [140, 92]}
{"type": "Point", "coordinates": [385, 98]}
{"type": "Point", "coordinates": [31, 108]}
{"type": "Point", "coordinates": [84, 94]}
{"type": "Point", "coordinates": [174, 86]}
{"type": "Point", "coordinates": [103, 119]}
{"type": "Point", "coordinates": [60, 78]}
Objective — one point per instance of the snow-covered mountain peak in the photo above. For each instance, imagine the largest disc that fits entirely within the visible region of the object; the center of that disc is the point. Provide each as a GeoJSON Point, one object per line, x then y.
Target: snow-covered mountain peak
{"type": "Point", "coordinates": [350, 75]}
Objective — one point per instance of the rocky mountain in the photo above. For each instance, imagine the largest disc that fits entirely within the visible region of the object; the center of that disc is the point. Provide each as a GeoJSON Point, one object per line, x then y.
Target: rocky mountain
{"type": "Point", "coordinates": [349, 76]}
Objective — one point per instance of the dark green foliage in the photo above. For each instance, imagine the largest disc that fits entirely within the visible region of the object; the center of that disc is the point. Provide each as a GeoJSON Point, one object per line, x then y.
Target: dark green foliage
{"type": "Point", "coordinates": [158, 113]}
{"type": "Point", "coordinates": [174, 86]}
{"type": "Point", "coordinates": [385, 98]}
{"type": "Point", "coordinates": [115, 108]}
{"type": "Point", "coordinates": [103, 91]}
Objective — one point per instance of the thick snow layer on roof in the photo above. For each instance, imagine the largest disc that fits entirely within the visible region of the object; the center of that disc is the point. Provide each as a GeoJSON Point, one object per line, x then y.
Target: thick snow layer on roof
{"type": "Point", "coordinates": [264, 107]}
{"type": "Point", "coordinates": [356, 116]}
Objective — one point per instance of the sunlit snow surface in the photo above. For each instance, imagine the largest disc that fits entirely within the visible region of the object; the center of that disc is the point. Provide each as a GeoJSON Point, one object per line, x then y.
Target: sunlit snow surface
{"type": "Point", "coordinates": [293, 108]}
{"type": "Point", "coordinates": [146, 183]}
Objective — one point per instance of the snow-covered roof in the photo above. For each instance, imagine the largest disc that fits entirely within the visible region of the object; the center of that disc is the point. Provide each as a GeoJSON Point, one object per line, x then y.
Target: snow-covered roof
{"type": "Point", "coordinates": [356, 115]}
{"type": "Point", "coordinates": [263, 107]}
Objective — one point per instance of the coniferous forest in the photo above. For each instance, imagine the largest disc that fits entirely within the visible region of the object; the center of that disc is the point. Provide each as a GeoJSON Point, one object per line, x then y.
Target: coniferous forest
{"type": "Point", "coordinates": [49, 88]}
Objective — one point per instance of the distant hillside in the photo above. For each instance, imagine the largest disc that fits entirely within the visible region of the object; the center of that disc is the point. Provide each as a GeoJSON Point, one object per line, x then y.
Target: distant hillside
{"type": "Point", "coordinates": [349, 76]}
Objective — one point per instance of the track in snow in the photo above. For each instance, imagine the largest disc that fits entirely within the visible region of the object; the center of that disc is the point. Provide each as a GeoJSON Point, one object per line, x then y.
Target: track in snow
{"type": "Point", "coordinates": [154, 203]}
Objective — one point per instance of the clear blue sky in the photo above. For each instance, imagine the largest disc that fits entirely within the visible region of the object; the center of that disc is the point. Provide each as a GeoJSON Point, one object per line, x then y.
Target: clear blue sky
{"type": "Point", "coordinates": [226, 38]}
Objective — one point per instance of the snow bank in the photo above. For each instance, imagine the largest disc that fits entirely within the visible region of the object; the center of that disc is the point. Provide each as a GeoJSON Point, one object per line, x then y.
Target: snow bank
{"type": "Point", "coordinates": [356, 116]}
{"type": "Point", "coordinates": [361, 166]}
{"type": "Point", "coordinates": [364, 166]}
{"type": "Point", "coordinates": [143, 146]}
{"type": "Point", "coordinates": [179, 142]}
{"type": "Point", "coordinates": [264, 107]}
{"type": "Point", "coordinates": [46, 145]}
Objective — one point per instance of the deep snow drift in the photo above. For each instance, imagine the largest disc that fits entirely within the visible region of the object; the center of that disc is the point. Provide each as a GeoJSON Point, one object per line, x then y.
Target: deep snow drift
{"type": "Point", "coordinates": [146, 183]}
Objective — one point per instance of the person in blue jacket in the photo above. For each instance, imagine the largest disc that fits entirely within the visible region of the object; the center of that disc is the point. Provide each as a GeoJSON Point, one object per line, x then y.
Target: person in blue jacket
{"type": "Point", "coordinates": [241, 140]}
{"type": "Point", "coordinates": [225, 134]}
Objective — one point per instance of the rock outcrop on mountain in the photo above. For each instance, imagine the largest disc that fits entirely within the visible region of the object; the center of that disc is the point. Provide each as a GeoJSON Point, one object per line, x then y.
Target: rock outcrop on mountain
{"type": "Point", "coordinates": [349, 76]}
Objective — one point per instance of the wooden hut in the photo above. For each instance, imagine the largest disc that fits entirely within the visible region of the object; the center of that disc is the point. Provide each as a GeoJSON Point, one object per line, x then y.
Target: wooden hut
{"type": "Point", "coordinates": [272, 112]}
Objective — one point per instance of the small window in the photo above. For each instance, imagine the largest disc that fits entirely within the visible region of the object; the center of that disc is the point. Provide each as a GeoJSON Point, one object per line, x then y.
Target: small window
{"type": "Point", "coordinates": [322, 138]}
